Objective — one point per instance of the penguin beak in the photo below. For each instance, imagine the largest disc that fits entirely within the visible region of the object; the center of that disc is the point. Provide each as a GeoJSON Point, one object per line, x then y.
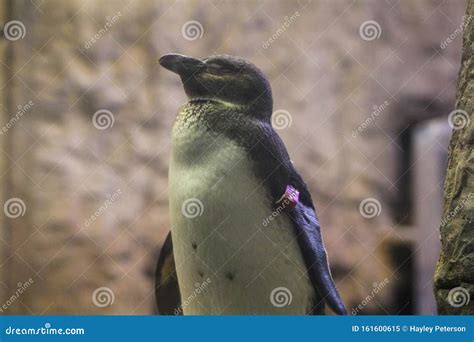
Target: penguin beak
{"type": "Point", "coordinates": [181, 64]}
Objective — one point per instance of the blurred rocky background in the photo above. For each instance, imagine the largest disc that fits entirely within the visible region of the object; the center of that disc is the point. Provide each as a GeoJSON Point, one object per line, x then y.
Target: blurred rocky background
{"type": "Point", "coordinates": [363, 90]}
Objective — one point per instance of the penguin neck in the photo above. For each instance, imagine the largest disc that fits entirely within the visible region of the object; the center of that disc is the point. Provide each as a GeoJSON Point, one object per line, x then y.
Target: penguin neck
{"type": "Point", "coordinates": [261, 108]}
{"type": "Point", "coordinates": [226, 104]}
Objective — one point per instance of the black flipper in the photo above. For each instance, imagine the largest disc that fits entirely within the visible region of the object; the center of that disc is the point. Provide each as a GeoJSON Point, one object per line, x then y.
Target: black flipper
{"type": "Point", "coordinates": [277, 172]}
{"type": "Point", "coordinates": [308, 233]}
{"type": "Point", "coordinates": [167, 295]}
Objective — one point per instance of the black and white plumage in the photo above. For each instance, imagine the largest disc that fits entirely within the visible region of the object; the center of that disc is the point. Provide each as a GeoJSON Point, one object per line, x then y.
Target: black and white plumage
{"type": "Point", "coordinates": [228, 170]}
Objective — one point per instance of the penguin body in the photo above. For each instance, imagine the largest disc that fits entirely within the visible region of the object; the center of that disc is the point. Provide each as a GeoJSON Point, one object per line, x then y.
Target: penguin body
{"type": "Point", "coordinates": [228, 171]}
{"type": "Point", "coordinates": [227, 241]}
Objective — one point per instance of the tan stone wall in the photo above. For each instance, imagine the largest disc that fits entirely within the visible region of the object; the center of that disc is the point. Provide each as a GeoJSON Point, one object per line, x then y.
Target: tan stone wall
{"type": "Point", "coordinates": [322, 72]}
{"type": "Point", "coordinates": [454, 277]}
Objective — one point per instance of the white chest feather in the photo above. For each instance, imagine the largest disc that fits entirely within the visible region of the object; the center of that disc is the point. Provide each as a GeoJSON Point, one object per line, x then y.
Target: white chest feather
{"type": "Point", "coordinates": [228, 261]}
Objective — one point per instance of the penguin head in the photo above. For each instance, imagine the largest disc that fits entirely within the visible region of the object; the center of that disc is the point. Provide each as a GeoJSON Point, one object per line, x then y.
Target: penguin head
{"type": "Point", "coordinates": [223, 78]}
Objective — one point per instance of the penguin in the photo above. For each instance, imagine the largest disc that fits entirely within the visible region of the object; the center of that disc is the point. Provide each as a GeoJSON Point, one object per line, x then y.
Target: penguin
{"type": "Point", "coordinates": [245, 238]}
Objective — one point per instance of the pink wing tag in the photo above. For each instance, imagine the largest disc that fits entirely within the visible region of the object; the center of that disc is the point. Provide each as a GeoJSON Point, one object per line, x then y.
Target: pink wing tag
{"type": "Point", "coordinates": [290, 198]}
